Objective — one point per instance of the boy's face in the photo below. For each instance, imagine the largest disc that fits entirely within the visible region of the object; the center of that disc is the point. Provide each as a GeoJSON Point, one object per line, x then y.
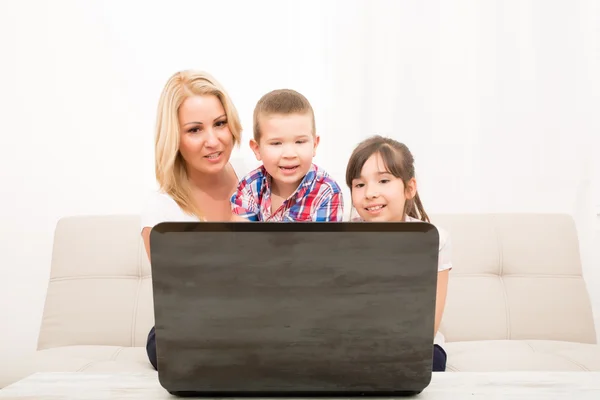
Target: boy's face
{"type": "Point", "coordinates": [286, 148]}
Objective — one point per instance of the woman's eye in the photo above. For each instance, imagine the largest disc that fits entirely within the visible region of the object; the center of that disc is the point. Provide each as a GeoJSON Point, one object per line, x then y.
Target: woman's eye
{"type": "Point", "coordinates": [221, 123]}
{"type": "Point", "coordinates": [194, 130]}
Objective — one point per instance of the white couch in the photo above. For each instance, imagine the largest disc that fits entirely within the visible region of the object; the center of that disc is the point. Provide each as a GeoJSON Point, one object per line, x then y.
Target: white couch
{"type": "Point", "coordinates": [516, 301]}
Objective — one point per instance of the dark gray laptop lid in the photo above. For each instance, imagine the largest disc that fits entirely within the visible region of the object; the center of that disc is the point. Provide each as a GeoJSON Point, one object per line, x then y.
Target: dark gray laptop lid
{"type": "Point", "coordinates": [294, 308]}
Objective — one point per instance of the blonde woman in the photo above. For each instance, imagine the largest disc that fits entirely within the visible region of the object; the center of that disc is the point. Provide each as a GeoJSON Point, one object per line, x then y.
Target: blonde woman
{"type": "Point", "coordinates": [196, 129]}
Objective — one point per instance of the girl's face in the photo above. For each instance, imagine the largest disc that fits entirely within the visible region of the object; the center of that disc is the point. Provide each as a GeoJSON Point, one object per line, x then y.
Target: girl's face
{"type": "Point", "coordinates": [379, 196]}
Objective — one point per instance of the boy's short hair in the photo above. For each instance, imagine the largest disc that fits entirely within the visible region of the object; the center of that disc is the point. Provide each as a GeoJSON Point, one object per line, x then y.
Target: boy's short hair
{"type": "Point", "coordinates": [281, 101]}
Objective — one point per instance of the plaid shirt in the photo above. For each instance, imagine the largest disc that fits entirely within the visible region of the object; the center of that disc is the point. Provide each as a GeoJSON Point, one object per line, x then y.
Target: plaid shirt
{"type": "Point", "coordinates": [317, 198]}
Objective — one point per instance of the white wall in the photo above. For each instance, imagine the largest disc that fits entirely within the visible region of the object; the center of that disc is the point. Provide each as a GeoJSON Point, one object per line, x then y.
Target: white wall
{"type": "Point", "coordinates": [497, 100]}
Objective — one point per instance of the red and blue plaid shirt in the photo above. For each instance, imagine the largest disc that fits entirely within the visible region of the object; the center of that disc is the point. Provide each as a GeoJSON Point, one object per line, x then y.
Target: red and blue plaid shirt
{"type": "Point", "coordinates": [317, 198]}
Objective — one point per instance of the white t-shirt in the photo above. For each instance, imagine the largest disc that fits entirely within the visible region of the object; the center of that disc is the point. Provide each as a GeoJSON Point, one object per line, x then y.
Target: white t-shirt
{"type": "Point", "coordinates": [160, 207]}
{"type": "Point", "coordinates": [444, 263]}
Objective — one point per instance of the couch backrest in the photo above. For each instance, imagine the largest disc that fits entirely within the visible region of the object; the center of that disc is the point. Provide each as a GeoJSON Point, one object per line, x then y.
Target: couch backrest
{"type": "Point", "coordinates": [514, 277]}
{"type": "Point", "coordinates": [100, 291]}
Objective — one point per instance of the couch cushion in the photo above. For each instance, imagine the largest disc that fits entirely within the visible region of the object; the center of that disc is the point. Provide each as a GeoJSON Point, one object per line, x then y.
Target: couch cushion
{"type": "Point", "coordinates": [79, 359]}
{"type": "Point", "coordinates": [100, 289]}
{"type": "Point", "coordinates": [515, 276]}
{"type": "Point", "coordinates": [522, 355]}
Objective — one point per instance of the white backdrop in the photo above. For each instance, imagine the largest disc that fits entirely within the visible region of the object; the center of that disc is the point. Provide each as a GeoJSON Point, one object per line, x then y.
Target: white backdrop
{"type": "Point", "coordinates": [498, 101]}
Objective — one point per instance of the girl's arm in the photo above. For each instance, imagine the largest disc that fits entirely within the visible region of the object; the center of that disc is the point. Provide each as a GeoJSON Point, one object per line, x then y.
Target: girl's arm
{"type": "Point", "coordinates": [445, 265]}
{"type": "Point", "coordinates": [440, 302]}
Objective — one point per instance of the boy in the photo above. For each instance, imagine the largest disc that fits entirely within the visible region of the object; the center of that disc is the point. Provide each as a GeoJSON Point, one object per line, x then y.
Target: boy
{"type": "Point", "coordinates": [288, 186]}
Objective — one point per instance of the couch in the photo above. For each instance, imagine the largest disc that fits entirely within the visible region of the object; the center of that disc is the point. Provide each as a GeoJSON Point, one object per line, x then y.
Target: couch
{"type": "Point", "coordinates": [516, 300]}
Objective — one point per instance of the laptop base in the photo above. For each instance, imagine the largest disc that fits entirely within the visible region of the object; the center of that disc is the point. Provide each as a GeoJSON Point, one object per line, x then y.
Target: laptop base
{"type": "Point", "coordinates": [236, 394]}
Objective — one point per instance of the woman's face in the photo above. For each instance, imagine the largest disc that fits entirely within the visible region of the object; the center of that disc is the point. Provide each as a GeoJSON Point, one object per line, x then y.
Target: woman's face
{"type": "Point", "coordinates": [206, 141]}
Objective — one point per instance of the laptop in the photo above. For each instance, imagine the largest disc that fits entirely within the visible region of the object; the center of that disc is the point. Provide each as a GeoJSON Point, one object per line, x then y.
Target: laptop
{"type": "Point", "coordinates": [294, 309]}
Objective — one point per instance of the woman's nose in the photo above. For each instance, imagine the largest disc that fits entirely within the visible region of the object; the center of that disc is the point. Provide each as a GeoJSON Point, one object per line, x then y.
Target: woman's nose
{"type": "Point", "coordinates": [211, 138]}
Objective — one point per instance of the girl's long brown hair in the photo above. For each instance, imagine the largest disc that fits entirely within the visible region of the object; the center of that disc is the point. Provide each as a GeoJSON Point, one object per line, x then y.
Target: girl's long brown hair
{"type": "Point", "coordinates": [398, 161]}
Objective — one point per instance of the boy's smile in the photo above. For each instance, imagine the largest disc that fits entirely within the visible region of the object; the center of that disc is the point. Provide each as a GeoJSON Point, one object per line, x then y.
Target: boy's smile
{"type": "Point", "coordinates": [289, 170]}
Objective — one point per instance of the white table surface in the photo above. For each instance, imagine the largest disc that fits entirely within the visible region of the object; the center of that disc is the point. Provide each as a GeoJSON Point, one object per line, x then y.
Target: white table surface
{"type": "Point", "coordinates": [445, 385]}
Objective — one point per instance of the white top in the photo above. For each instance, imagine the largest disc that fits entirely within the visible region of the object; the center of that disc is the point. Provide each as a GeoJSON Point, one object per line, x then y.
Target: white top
{"type": "Point", "coordinates": [160, 207]}
{"type": "Point", "coordinates": [444, 263]}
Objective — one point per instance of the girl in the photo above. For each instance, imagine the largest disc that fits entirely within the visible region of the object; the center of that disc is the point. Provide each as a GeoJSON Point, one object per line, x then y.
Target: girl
{"type": "Point", "coordinates": [381, 178]}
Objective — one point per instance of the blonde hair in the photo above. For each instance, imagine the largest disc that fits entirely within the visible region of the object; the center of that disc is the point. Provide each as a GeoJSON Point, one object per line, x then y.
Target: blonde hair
{"type": "Point", "coordinates": [281, 101]}
{"type": "Point", "coordinates": [170, 168]}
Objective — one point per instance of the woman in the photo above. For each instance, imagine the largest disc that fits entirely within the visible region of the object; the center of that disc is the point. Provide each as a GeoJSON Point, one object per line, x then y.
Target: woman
{"type": "Point", "coordinates": [196, 129]}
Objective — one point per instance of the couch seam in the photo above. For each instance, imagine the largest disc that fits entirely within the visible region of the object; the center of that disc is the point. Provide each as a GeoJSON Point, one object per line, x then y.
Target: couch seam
{"type": "Point", "coordinates": [508, 333]}
{"type": "Point", "coordinates": [116, 354]}
{"type": "Point", "coordinates": [139, 263]}
{"type": "Point", "coordinates": [530, 346]}
{"type": "Point", "coordinates": [137, 293]}
{"type": "Point", "coordinates": [500, 276]}
{"type": "Point", "coordinates": [135, 309]}
{"type": "Point", "coordinates": [570, 360]}
{"type": "Point", "coordinates": [83, 368]}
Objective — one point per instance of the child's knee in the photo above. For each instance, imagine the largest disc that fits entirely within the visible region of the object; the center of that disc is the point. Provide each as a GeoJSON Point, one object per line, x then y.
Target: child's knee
{"type": "Point", "coordinates": [439, 358]}
{"type": "Point", "coordinates": [151, 348]}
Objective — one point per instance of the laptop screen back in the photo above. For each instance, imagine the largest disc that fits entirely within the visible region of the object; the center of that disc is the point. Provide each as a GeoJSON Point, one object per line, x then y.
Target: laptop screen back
{"type": "Point", "coordinates": [294, 308]}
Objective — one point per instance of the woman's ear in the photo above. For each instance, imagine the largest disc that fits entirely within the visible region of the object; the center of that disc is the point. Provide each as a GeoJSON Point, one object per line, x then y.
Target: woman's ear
{"type": "Point", "coordinates": [411, 189]}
